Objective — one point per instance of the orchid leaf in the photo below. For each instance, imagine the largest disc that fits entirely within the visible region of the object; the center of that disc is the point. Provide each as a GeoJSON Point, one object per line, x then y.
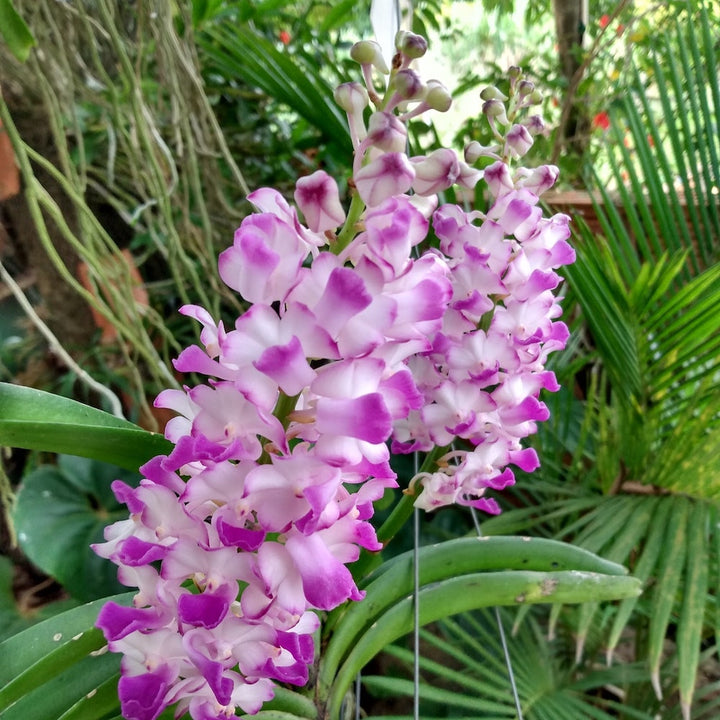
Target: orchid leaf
{"type": "Point", "coordinates": [15, 31]}
{"type": "Point", "coordinates": [467, 592]}
{"type": "Point", "coordinates": [34, 657]}
{"type": "Point", "coordinates": [38, 420]}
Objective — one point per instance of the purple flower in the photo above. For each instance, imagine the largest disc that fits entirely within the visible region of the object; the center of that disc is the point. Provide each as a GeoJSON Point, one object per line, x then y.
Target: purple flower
{"type": "Point", "coordinates": [388, 175]}
{"type": "Point", "coordinates": [318, 198]}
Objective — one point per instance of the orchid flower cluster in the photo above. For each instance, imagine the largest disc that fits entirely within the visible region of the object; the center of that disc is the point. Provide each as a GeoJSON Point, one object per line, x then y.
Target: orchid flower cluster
{"type": "Point", "coordinates": [362, 337]}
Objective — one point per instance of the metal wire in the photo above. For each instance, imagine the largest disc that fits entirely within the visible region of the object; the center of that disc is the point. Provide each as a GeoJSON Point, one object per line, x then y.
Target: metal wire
{"type": "Point", "coordinates": [416, 604]}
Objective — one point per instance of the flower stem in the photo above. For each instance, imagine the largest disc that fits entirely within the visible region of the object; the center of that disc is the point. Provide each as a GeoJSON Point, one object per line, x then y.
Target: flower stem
{"type": "Point", "coordinates": [349, 229]}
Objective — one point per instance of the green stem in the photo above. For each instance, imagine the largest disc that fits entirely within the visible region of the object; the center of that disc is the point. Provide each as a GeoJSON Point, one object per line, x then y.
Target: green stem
{"type": "Point", "coordinates": [403, 510]}
{"type": "Point", "coordinates": [349, 230]}
{"type": "Point", "coordinates": [368, 561]}
{"type": "Point", "coordinates": [284, 406]}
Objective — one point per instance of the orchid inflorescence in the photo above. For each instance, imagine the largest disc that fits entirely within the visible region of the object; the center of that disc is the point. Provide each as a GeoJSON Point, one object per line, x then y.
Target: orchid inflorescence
{"type": "Point", "coordinates": [362, 338]}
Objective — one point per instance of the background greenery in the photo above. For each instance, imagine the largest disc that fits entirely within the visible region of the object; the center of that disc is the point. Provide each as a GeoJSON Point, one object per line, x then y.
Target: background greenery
{"type": "Point", "coordinates": [141, 129]}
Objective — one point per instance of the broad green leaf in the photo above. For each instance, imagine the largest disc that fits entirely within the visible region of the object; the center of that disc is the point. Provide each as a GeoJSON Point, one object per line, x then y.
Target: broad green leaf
{"type": "Point", "coordinates": [37, 420]}
{"type": "Point", "coordinates": [39, 654]}
{"type": "Point", "coordinates": [14, 31]}
{"type": "Point", "coordinates": [393, 579]}
{"type": "Point", "coordinates": [54, 698]}
{"type": "Point", "coordinates": [60, 511]}
{"type": "Point", "coordinates": [459, 594]}
{"type": "Point", "coordinates": [456, 702]}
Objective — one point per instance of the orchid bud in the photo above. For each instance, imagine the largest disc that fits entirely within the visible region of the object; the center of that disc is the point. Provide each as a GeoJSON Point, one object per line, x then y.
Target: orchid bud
{"type": "Point", "coordinates": [495, 109]}
{"type": "Point", "coordinates": [436, 172]}
{"type": "Point", "coordinates": [437, 96]}
{"type": "Point", "coordinates": [408, 85]}
{"type": "Point", "coordinates": [514, 72]}
{"type": "Point", "coordinates": [473, 151]}
{"type": "Point", "coordinates": [492, 93]}
{"type": "Point", "coordinates": [498, 179]}
{"type": "Point", "coordinates": [468, 176]}
{"type": "Point", "coordinates": [518, 140]}
{"type": "Point", "coordinates": [411, 45]}
{"type": "Point", "coordinates": [386, 132]}
{"type": "Point", "coordinates": [535, 125]}
{"type": "Point", "coordinates": [318, 198]}
{"type": "Point", "coordinates": [535, 97]}
{"type": "Point", "coordinates": [368, 52]}
{"type": "Point", "coordinates": [539, 179]}
{"type": "Point", "coordinates": [352, 97]}
{"type": "Point", "coordinates": [525, 87]}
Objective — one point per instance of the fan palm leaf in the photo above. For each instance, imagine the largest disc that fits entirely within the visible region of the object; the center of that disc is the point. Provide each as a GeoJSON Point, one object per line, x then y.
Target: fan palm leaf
{"type": "Point", "coordinates": [645, 449]}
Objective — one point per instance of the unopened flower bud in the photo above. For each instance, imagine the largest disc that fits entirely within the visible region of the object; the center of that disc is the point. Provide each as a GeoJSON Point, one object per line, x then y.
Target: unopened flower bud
{"type": "Point", "coordinates": [436, 172]}
{"type": "Point", "coordinates": [514, 72]}
{"type": "Point", "coordinates": [535, 97]}
{"type": "Point", "coordinates": [352, 97]}
{"type": "Point", "coordinates": [437, 96]}
{"type": "Point", "coordinates": [535, 125]}
{"type": "Point", "coordinates": [539, 179]}
{"type": "Point", "coordinates": [492, 93]}
{"type": "Point", "coordinates": [525, 87]}
{"type": "Point", "coordinates": [411, 45]}
{"type": "Point", "coordinates": [386, 132]}
{"type": "Point", "coordinates": [475, 150]}
{"type": "Point", "coordinates": [468, 176]}
{"type": "Point", "coordinates": [518, 140]}
{"type": "Point", "coordinates": [495, 109]}
{"type": "Point", "coordinates": [368, 52]}
{"type": "Point", "coordinates": [498, 179]}
{"type": "Point", "coordinates": [408, 85]}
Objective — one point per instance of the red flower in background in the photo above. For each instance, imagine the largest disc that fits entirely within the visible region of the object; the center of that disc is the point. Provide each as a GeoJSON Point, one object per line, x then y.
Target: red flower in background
{"type": "Point", "coordinates": [604, 21]}
{"type": "Point", "coordinates": [601, 120]}
{"type": "Point", "coordinates": [284, 37]}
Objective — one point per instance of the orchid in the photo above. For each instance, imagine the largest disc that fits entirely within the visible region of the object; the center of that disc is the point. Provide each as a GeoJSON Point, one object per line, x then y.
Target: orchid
{"type": "Point", "coordinates": [360, 338]}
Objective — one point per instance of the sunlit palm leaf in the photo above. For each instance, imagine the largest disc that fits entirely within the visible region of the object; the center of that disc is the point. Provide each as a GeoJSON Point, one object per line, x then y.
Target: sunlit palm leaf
{"type": "Point", "coordinates": [649, 421]}
{"type": "Point", "coordinates": [464, 674]}
{"type": "Point", "coordinates": [240, 52]}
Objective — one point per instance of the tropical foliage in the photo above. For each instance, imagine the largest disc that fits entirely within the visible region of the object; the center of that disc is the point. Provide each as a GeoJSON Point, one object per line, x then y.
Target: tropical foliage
{"type": "Point", "coordinates": [630, 458]}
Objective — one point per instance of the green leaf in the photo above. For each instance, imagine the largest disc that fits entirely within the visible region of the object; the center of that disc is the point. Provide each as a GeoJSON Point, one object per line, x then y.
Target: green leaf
{"type": "Point", "coordinates": [665, 596]}
{"type": "Point", "coordinates": [41, 653]}
{"type": "Point", "coordinates": [60, 511]}
{"type": "Point", "coordinates": [37, 420]}
{"type": "Point", "coordinates": [459, 594]}
{"type": "Point", "coordinates": [240, 52]}
{"type": "Point", "coordinates": [692, 616]}
{"type": "Point", "coordinates": [647, 560]}
{"type": "Point", "coordinates": [58, 696]}
{"type": "Point", "coordinates": [14, 31]}
{"type": "Point", "coordinates": [14, 619]}
{"type": "Point", "coordinates": [337, 15]}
